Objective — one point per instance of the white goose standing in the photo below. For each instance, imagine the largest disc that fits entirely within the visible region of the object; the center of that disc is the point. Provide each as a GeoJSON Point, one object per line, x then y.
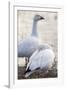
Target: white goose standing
{"type": "Point", "coordinates": [27, 46]}
{"type": "Point", "coordinates": [42, 58]}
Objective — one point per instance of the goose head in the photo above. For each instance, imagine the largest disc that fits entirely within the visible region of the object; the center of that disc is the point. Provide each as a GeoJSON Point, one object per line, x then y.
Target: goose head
{"type": "Point", "coordinates": [38, 18]}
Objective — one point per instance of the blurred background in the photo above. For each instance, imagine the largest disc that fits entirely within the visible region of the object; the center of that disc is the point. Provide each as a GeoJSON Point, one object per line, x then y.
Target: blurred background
{"type": "Point", "coordinates": [47, 31]}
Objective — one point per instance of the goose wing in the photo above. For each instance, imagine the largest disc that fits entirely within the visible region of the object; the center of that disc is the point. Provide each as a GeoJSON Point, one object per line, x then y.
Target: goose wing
{"type": "Point", "coordinates": [32, 60]}
{"type": "Point", "coordinates": [42, 59]}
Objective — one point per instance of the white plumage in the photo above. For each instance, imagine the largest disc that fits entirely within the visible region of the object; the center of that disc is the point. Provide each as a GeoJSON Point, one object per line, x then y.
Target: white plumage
{"type": "Point", "coordinates": [42, 58]}
{"type": "Point", "coordinates": [27, 46]}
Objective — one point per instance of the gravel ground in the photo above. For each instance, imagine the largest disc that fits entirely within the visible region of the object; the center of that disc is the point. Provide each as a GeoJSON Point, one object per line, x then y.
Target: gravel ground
{"type": "Point", "coordinates": [39, 73]}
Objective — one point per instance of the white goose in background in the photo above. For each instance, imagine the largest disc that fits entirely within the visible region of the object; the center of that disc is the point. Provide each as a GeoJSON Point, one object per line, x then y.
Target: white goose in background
{"type": "Point", "coordinates": [42, 58]}
{"type": "Point", "coordinates": [27, 46]}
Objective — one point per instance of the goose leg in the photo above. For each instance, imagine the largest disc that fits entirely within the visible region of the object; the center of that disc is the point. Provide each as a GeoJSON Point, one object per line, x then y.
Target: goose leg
{"type": "Point", "coordinates": [27, 60]}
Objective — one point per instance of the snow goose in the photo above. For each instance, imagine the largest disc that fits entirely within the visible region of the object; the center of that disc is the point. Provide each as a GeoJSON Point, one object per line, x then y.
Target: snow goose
{"type": "Point", "coordinates": [27, 46]}
{"type": "Point", "coordinates": [42, 58]}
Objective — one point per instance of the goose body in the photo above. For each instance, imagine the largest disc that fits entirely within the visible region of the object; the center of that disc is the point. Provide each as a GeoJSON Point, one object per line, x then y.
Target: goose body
{"type": "Point", "coordinates": [27, 46]}
{"type": "Point", "coordinates": [42, 58]}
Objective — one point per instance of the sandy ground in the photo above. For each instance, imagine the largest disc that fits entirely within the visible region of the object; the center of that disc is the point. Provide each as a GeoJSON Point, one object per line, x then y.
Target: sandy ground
{"type": "Point", "coordinates": [47, 31]}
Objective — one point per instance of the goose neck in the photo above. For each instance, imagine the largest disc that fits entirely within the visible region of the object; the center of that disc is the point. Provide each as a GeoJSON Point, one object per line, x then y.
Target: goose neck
{"type": "Point", "coordinates": [34, 29]}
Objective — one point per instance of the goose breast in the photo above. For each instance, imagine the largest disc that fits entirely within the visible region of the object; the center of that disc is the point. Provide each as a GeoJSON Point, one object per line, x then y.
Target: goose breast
{"type": "Point", "coordinates": [27, 46]}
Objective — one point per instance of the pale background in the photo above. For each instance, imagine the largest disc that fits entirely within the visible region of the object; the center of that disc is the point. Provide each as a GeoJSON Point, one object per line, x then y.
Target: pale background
{"type": "Point", "coordinates": [4, 43]}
